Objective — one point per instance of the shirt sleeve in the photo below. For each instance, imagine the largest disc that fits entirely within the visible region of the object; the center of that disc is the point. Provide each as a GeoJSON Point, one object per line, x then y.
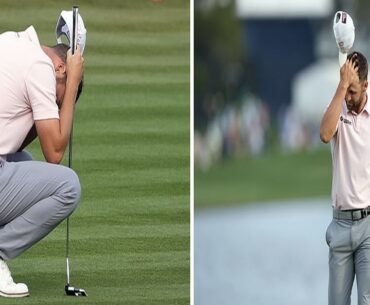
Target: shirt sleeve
{"type": "Point", "coordinates": [41, 90]}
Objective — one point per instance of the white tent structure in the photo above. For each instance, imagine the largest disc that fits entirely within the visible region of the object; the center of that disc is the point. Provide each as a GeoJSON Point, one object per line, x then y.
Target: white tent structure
{"type": "Point", "coordinates": [313, 88]}
{"type": "Point", "coordinates": [284, 8]}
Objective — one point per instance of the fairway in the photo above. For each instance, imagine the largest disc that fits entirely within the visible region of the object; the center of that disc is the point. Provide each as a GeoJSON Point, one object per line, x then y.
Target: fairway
{"type": "Point", "coordinates": [274, 175]}
{"type": "Point", "coordinates": [130, 236]}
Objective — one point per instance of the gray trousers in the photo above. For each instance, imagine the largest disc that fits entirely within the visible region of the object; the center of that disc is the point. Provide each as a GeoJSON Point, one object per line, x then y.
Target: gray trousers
{"type": "Point", "coordinates": [34, 198]}
{"type": "Point", "coordinates": [349, 255]}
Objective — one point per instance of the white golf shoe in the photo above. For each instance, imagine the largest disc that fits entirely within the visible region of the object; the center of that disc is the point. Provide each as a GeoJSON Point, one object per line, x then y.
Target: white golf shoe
{"type": "Point", "coordinates": [8, 288]}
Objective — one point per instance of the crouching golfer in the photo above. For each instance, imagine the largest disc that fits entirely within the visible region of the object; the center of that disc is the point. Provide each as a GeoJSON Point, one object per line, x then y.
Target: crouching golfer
{"type": "Point", "coordinates": [38, 88]}
{"type": "Point", "coordinates": [346, 124]}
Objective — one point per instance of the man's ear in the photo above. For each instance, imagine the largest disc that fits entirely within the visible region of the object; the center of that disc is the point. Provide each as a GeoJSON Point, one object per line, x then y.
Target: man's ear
{"type": "Point", "coordinates": [365, 85]}
{"type": "Point", "coordinates": [60, 68]}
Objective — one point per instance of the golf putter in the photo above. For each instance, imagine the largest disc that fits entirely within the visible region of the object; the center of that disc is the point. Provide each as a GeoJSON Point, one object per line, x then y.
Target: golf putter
{"type": "Point", "coordinates": [63, 28]}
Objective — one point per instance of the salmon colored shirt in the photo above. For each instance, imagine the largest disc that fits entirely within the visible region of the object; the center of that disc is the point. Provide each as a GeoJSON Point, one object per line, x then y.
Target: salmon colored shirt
{"type": "Point", "coordinates": [27, 87]}
{"type": "Point", "coordinates": [350, 148]}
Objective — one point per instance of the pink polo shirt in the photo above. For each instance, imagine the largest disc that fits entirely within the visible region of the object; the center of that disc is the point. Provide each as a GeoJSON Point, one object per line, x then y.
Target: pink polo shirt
{"type": "Point", "coordinates": [27, 87]}
{"type": "Point", "coordinates": [350, 148]}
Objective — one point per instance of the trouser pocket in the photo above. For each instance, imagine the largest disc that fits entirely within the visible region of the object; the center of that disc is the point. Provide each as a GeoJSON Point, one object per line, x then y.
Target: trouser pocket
{"type": "Point", "coordinates": [328, 233]}
{"type": "Point", "coordinates": [338, 235]}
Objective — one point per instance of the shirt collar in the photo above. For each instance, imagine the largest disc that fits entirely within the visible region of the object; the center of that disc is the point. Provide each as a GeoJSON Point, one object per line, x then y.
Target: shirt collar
{"type": "Point", "coordinates": [30, 34]}
{"type": "Point", "coordinates": [367, 106]}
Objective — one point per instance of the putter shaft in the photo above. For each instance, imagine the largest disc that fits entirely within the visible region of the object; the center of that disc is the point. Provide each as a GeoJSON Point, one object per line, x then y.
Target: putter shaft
{"type": "Point", "coordinates": [70, 290]}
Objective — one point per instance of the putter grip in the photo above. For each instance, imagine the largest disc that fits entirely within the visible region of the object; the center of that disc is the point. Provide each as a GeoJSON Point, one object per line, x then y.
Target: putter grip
{"type": "Point", "coordinates": [74, 46]}
{"type": "Point", "coordinates": [74, 28]}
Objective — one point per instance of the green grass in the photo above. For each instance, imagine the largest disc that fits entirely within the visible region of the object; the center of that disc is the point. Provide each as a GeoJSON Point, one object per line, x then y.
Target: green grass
{"type": "Point", "coordinates": [130, 237]}
{"type": "Point", "coordinates": [270, 177]}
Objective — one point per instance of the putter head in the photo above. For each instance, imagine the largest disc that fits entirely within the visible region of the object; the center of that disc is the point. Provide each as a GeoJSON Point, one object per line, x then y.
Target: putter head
{"type": "Point", "coordinates": [74, 291]}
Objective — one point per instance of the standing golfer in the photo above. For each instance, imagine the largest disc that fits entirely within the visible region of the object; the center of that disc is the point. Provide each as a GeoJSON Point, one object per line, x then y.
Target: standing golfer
{"type": "Point", "coordinates": [346, 124]}
{"type": "Point", "coordinates": [34, 196]}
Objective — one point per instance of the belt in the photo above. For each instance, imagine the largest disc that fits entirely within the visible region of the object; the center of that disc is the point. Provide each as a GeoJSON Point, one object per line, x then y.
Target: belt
{"type": "Point", "coordinates": [351, 214]}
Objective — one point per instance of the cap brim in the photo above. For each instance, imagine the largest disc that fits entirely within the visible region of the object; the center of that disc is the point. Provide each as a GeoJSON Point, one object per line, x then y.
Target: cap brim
{"type": "Point", "coordinates": [342, 58]}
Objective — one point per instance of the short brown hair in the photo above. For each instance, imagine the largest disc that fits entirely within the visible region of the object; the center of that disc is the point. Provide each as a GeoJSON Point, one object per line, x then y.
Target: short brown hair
{"type": "Point", "coordinates": [61, 50]}
{"type": "Point", "coordinates": [360, 62]}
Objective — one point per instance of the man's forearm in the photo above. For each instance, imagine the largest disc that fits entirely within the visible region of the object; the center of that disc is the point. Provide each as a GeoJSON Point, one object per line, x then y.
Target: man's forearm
{"type": "Point", "coordinates": [331, 116]}
{"type": "Point", "coordinates": [67, 112]}
{"type": "Point", "coordinates": [54, 133]}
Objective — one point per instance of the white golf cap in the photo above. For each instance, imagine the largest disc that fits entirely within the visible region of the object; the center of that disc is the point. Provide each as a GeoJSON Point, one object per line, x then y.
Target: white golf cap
{"type": "Point", "coordinates": [64, 27]}
{"type": "Point", "coordinates": [344, 32]}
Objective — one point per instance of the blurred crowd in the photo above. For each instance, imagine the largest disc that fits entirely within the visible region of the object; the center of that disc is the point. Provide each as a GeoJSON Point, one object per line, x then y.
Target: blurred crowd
{"type": "Point", "coordinates": [245, 129]}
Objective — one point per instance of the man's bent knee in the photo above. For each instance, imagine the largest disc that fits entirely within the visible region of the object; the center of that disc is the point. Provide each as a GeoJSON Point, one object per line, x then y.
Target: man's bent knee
{"type": "Point", "coordinates": [70, 189]}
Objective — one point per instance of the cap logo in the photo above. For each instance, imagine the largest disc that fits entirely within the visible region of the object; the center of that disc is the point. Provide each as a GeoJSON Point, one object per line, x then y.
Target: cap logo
{"type": "Point", "coordinates": [344, 17]}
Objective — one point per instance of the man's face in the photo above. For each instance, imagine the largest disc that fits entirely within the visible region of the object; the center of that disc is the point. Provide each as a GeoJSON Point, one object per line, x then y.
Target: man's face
{"type": "Point", "coordinates": [355, 95]}
{"type": "Point", "coordinates": [61, 79]}
{"type": "Point", "coordinates": [60, 90]}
